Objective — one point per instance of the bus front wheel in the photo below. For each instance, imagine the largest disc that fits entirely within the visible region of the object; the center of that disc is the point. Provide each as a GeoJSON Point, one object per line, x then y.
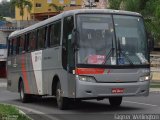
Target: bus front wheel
{"type": "Point", "coordinates": [23, 96]}
{"type": "Point", "coordinates": [115, 101]}
{"type": "Point", "coordinates": [62, 102]}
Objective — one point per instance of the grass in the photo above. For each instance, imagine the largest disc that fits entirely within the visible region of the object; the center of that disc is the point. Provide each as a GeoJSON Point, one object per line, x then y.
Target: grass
{"type": "Point", "coordinates": [8, 112]}
{"type": "Point", "coordinates": [155, 85]}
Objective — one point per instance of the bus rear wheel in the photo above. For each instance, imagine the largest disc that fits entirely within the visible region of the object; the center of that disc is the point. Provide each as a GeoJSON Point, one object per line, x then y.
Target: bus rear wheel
{"type": "Point", "coordinates": [62, 102]}
{"type": "Point", "coordinates": [23, 96]}
{"type": "Point", "coordinates": [115, 101]}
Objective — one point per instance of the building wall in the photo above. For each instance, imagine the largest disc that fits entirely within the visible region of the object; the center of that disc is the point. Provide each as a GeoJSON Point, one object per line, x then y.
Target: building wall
{"type": "Point", "coordinates": [26, 16]}
{"type": "Point", "coordinates": [45, 7]}
{"type": "Point", "coordinates": [3, 36]}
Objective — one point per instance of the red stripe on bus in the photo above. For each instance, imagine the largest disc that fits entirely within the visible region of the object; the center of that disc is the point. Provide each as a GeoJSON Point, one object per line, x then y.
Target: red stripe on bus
{"type": "Point", "coordinates": [24, 73]}
{"type": "Point", "coordinates": [34, 73]}
{"type": "Point", "coordinates": [80, 71]}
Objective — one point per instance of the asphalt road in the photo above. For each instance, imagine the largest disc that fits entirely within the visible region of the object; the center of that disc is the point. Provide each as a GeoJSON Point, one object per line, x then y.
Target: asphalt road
{"type": "Point", "coordinates": [46, 108]}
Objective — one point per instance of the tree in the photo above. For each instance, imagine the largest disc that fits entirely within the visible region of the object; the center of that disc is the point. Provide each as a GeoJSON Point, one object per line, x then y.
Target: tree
{"type": "Point", "coordinates": [57, 8]}
{"type": "Point", "coordinates": [6, 9]}
{"type": "Point", "coordinates": [2, 18]}
{"type": "Point", "coordinates": [21, 4]}
{"type": "Point", "coordinates": [114, 4]}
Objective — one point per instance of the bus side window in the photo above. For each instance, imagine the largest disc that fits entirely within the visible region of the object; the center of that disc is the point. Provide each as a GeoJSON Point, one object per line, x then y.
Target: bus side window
{"type": "Point", "coordinates": [42, 37]}
{"type": "Point", "coordinates": [27, 42]}
{"type": "Point", "coordinates": [32, 41]}
{"type": "Point", "coordinates": [55, 34]}
{"type": "Point", "coordinates": [21, 46]}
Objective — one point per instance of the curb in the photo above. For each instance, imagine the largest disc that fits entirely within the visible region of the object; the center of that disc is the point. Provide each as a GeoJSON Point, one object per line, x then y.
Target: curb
{"type": "Point", "coordinates": [23, 113]}
{"type": "Point", "coordinates": [3, 84]}
{"type": "Point", "coordinates": [155, 90]}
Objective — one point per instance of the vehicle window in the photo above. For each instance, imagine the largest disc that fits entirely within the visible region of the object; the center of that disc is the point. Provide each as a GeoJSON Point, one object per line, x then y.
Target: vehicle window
{"type": "Point", "coordinates": [32, 41]}
{"type": "Point", "coordinates": [96, 39]}
{"type": "Point", "coordinates": [41, 37]}
{"type": "Point", "coordinates": [55, 33]}
{"type": "Point", "coordinates": [21, 46]}
{"type": "Point", "coordinates": [67, 28]}
{"type": "Point", "coordinates": [26, 44]}
{"type": "Point", "coordinates": [67, 52]}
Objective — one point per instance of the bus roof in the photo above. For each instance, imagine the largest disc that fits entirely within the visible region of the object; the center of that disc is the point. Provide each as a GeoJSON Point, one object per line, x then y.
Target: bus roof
{"type": "Point", "coordinates": [71, 12]}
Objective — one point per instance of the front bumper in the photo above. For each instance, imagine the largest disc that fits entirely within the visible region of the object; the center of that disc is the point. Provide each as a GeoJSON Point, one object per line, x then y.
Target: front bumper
{"type": "Point", "coordinates": [87, 90]}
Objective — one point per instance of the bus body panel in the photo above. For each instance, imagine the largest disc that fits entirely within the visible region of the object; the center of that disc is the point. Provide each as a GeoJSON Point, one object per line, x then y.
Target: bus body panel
{"type": "Point", "coordinates": [50, 62]}
{"type": "Point", "coordinates": [51, 67]}
{"type": "Point", "coordinates": [121, 75]}
{"type": "Point", "coordinates": [103, 90]}
{"type": "Point", "coordinates": [20, 68]}
{"type": "Point", "coordinates": [117, 78]}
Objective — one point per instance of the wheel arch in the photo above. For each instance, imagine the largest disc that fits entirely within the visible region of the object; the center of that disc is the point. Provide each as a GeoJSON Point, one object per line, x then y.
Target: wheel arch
{"type": "Point", "coordinates": [54, 84]}
{"type": "Point", "coordinates": [19, 81]}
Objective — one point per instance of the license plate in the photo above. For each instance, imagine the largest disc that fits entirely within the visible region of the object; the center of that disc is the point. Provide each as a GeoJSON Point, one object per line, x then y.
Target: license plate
{"type": "Point", "coordinates": [117, 90]}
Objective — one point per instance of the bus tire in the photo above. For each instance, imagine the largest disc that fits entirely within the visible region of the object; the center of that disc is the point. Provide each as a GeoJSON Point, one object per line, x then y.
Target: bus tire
{"type": "Point", "coordinates": [62, 102]}
{"type": "Point", "coordinates": [115, 101]}
{"type": "Point", "coordinates": [23, 96]}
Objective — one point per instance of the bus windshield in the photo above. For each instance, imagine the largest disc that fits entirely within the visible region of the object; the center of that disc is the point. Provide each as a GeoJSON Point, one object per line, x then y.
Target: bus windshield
{"type": "Point", "coordinates": [104, 40]}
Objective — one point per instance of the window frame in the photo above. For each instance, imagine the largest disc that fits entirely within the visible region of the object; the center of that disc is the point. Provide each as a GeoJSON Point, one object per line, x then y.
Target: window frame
{"type": "Point", "coordinates": [38, 5]}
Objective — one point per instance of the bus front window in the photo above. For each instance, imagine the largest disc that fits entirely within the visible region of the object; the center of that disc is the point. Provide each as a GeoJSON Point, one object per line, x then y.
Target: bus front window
{"type": "Point", "coordinates": [97, 43]}
{"type": "Point", "coordinates": [131, 40]}
{"type": "Point", "coordinates": [96, 39]}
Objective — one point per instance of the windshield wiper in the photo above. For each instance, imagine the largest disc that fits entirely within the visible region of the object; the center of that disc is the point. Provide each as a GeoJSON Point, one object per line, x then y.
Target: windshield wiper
{"type": "Point", "coordinates": [111, 52]}
{"type": "Point", "coordinates": [120, 52]}
{"type": "Point", "coordinates": [75, 39]}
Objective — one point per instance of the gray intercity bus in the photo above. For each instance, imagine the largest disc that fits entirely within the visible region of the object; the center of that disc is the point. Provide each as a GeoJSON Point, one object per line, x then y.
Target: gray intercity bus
{"type": "Point", "coordinates": [81, 54]}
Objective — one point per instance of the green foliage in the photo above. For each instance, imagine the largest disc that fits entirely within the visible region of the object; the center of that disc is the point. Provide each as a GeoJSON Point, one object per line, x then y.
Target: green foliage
{"type": "Point", "coordinates": [2, 18]}
{"type": "Point", "coordinates": [8, 112]}
{"type": "Point", "coordinates": [132, 5]}
{"type": "Point", "coordinates": [22, 4]}
{"type": "Point", "coordinates": [6, 109]}
{"type": "Point", "coordinates": [57, 8]}
{"type": "Point", "coordinates": [6, 10]}
{"type": "Point", "coordinates": [114, 4]}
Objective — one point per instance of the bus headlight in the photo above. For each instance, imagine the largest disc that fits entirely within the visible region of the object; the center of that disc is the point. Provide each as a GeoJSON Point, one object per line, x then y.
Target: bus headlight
{"type": "Point", "coordinates": [144, 78]}
{"type": "Point", "coordinates": [86, 78]}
